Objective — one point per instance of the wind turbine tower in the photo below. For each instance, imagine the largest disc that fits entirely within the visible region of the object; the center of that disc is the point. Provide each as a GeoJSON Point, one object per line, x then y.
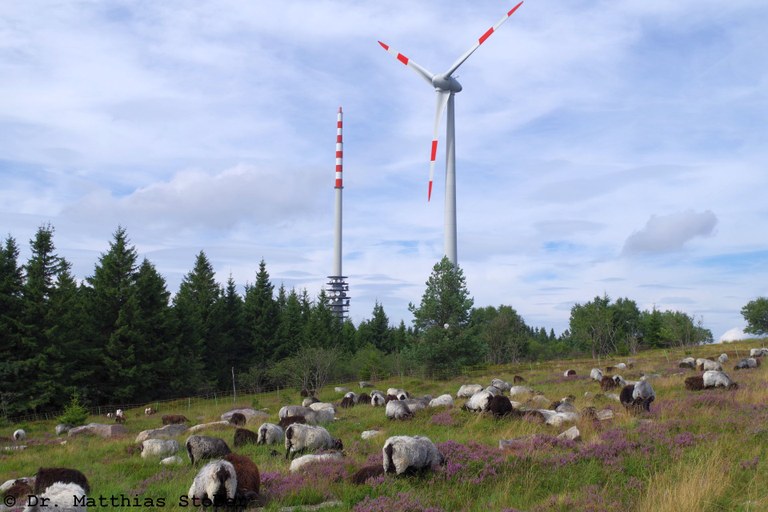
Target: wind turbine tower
{"type": "Point", "coordinates": [337, 283]}
{"type": "Point", "coordinates": [446, 86]}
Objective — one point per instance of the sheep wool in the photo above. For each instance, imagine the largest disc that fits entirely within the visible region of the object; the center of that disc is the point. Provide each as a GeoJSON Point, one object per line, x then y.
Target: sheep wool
{"type": "Point", "coordinates": [300, 438]}
{"type": "Point", "coordinates": [467, 390]}
{"type": "Point", "coordinates": [159, 448]}
{"type": "Point", "coordinates": [61, 496]}
{"type": "Point", "coordinates": [406, 453]}
{"type": "Point", "coordinates": [204, 447]}
{"type": "Point", "coordinates": [216, 482]}
{"type": "Point", "coordinates": [269, 433]}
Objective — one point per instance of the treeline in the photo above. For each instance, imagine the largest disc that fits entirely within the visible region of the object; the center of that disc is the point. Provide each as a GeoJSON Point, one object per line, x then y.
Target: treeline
{"type": "Point", "coordinates": [120, 336]}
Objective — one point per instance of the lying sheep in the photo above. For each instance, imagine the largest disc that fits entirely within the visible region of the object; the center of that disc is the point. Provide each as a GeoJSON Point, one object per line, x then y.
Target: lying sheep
{"type": "Point", "coordinates": [747, 363]}
{"type": "Point", "coordinates": [500, 406]}
{"type": "Point", "coordinates": [687, 362]}
{"type": "Point", "coordinates": [64, 496]}
{"type": "Point", "coordinates": [637, 397]}
{"type": "Point", "coordinates": [269, 433]}
{"type": "Point", "coordinates": [569, 373]}
{"type": "Point", "coordinates": [310, 415]}
{"type": "Point", "coordinates": [467, 390]}
{"type": "Point", "coordinates": [243, 436]}
{"type": "Point", "coordinates": [378, 399]}
{"type": "Point", "coordinates": [309, 401]}
{"type": "Point", "coordinates": [710, 379]}
{"type": "Point", "coordinates": [758, 352]}
{"type": "Point", "coordinates": [519, 391]}
{"type": "Point", "coordinates": [363, 398]}
{"type": "Point", "coordinates": [410, 454]}
{"type": "Point", "coordinates": [237, 419]}
{"type": "Point", "coordinates": [174, 419]}
{"type": "Point", "coordinates": [723, 358]}
{"type": "Point", "coordinates": [445, 400]}
{"type": "Point", "coordinates": [248, 479]}
{"type": "Point", "coordinates": [596, 374]}
{"type": "Point", "coordinates": [501, 384]}
{"type": "Point", "coordinates": [216, 483]}
{"type": "Point", "coordinates": [19, 435]}
{"type": "Point", "coordinates": [17, 492]}
{"type": "Point", "coordinates": [45, 477]}
{"type": "Point", "coordinates": [479, 401]}
{"type": "Point", "coordinates": [300, 463]}
{"type": "Point", "coordinates": [708, 365]}
{"type": "Point", "coordinates": [398, 410]}
{"type": "Point", "coordinates": [301, 438]}
{"type": "Point", "coordinates": [158, 448]}
{"type": "Point", "coordinates": [204, 447]}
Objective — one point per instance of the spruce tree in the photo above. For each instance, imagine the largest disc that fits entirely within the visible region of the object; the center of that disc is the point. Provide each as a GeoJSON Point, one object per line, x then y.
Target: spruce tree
{"type": "Point", "coordinates": [11, 304]}
{"type": "Point", "coordinates": [261, 315]}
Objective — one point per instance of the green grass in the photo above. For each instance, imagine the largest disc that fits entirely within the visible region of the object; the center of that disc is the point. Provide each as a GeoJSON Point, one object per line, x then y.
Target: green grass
{"type": "Point", "coordinates": [705, 451]}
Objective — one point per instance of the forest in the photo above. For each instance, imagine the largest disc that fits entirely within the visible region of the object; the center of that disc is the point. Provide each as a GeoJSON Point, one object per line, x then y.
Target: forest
{"type": "Point", "coordinates": [121, 337]}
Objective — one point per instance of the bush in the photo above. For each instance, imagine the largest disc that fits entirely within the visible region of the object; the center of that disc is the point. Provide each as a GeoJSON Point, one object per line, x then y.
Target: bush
{"type": "Point", "coordinates": [75, 413]}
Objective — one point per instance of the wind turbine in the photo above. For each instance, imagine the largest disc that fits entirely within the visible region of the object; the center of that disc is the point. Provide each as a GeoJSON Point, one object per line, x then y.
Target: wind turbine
{"type": "Point", "coordinates": [446, 86]}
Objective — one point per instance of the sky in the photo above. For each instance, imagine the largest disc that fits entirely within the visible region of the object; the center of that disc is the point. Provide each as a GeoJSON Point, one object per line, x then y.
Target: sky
{"type": "Point", "coordinates": [603, 148]}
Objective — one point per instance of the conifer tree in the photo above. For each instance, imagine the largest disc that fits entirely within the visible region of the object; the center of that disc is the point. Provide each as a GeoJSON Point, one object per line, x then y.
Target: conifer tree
{"type": "Point", "coordinates": [261, 315]}
{"type": "Point", "coordinates": [11, 304]}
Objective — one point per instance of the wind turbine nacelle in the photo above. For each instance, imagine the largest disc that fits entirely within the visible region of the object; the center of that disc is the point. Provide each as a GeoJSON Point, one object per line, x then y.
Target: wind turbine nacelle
{"type": "Point", "coordinates": [446, 83]}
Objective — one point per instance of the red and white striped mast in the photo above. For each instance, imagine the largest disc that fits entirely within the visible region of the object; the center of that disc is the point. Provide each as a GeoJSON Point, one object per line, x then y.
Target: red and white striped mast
{"type": "Point", "coordinates": [337, 285]}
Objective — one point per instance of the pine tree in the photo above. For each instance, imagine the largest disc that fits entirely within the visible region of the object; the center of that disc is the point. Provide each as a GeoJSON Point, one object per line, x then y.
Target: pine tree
{"type": "Point", "coordinates": [234, 341]}
{"type": "Point", "coordinates": [11, 304]}
{"type": "Point", "coordinates": [290, 331]}
{"type": "Point", "coordinates": [323, 328]}
{"type": "Point", "coordinates": [446, 300]}
{"type": "Point", "coordinates": [261, 315]}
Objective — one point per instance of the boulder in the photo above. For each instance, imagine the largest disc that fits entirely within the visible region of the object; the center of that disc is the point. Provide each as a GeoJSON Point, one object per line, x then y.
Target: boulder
{"type": "Point", "coordinates": [173, 460]}
{"type": "Point", "coordinates": [572, 433]}
{"type": "Point", "coordinates": [368, 434]}
{"type": "Point", "coordinates": [214, 425]}
{"type": "Point", "coordinates": [166, 432]}
{"type": "Point", "coordinates": [99, 429]}
{"type": "Point", "coordinates": [252, 416]}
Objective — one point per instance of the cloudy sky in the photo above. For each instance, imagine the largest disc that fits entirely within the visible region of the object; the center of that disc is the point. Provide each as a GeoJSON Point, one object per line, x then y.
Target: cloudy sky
{"type": "Point", "coordinates": [603, 147]}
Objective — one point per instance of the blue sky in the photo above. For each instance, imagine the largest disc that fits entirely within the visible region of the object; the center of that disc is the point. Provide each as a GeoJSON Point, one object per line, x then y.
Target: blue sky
{"type": "Point", "coordinates": [603, 147]}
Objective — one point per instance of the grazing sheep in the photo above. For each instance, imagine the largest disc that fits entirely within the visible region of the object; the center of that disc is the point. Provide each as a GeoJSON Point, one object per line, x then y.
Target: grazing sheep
{"type": "Point", "coordinates": [398, 410]}
{"type": "Point", "coordinates": [723, 358]}
{"type": "Point", "coordinates": [501, 384]}
{"type": "Point", "coordinates": [300, 438]}
{"type": "Point", "coordinates": [45, 477]}
{"type": "Point", "coordinates": [324, 412]}
{"type": "Point", "coordinates": [243, 436]}
{"type": "Point", "coordinates": [352, 395]}
{"type": "Point", "coordinates": [363, 398]}
{"type": "Point", "coordinates": [174, 419]}
{"type": "Point", "coordinates": [216, 483]}
{"type": "Point", "coordinates": [715, 379]}
{"type": "Point", "coordinates": [708, 365]}
{"type": "Point", "coordinates": [63, 496]}
{"type": "Point", "coordinates": [396, 392]}
{"type": "Point", "coordinates": [365, 473]}
{"type": "Point", "coordinates": [237, 419]}
{"type": "Point", "coordinates": [410, 454]}
{"type": "Point", "coordinates": [269, 433]}
{"type": "Point", "coordinates": [747, 363]}
{"type": "Point", "coordinates": [119, 416]}
{"type": "Point", "coordinates": [150, 411]}
{"type": "Point", "coordinates": [638, 396]}
{"type": "Point", "coordinates": [290, 420]}
{"type": "Point", "coordinates": [687, 362]}
{"type": "Point", "coordinates": [596, 374]}
{"type": "Point", "coordinates": [378, 399]}
{"type": "Point", "coordinates": [569, 373]}
{"type": "Point", "coordinates": [19, 435]}
{"type": "Point", "coordinates": [294, 410]}
{"type": "Point", "coordinates": [248, 479]}
{"type": "Point", "coordinates": [479, 401]}
{"type": "Point", "coordinates": [158, 448]}
{"type": "Point", "coordinates": [299, 463]}
{"type": "Point", "coordinates": [694, 383]}
{"type": "Point", "coordinates": [416, 404]}
{"type": "Point", "coordinates": [467, 390]}
{"type": "Point", "coordinates": [607, 383]}
{"type": "Point", "coordinates": [311, 415]}
{"type": "Point", "coordinates": [445, 400]}
{"type": "Point", "coordinates": [347, 402]}
{"type": "Point", "coordinates": [204, 447]}
{"type": "Point", "coordinates": [758, 352]}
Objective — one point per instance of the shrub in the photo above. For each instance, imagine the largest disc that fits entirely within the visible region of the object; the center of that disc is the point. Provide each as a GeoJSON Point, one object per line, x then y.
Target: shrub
{"type": "Point", "coordinates": [75, 413]}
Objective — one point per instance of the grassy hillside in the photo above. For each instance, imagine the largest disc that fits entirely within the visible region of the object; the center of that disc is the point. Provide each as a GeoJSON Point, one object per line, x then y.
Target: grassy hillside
{"type": "Point", "coordinates": [697, 451]}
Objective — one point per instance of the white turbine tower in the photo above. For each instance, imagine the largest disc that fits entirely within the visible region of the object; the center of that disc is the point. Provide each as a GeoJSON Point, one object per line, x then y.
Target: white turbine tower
{"type": "Point", "coordinates": [445, 87]}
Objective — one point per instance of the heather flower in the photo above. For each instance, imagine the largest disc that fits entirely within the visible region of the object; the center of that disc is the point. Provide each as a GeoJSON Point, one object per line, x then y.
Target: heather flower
{"type": "Point", "coordinates": [750, 463]}
{"type": "Point", "coordinates": [444, 419]}
{"type": "Point", "coordinates": [403, 502]}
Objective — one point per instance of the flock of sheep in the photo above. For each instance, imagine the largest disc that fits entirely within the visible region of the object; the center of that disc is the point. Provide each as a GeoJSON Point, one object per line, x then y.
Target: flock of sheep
{"type": "Point", "coordinates": [228, 478]}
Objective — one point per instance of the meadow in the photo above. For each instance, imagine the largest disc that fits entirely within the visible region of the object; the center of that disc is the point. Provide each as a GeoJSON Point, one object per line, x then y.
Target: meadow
{"type": "Point", "coordinates": [695, 451]}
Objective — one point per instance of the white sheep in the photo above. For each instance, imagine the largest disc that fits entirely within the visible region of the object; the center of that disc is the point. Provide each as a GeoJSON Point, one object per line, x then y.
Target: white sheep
{"type": "Point", "coordinates": [714, 379]}
{"type": "Point", "coordinates": [520, 391]}
{"type": "Point", "coordinates": [378, 399]}
{"type": "Point", "coordinates": [479, 401]}
{"type": "Point", "coordinates": [397, 410]}
{"type": "Point", "coordinates": [467, 390]}
{"type": "Point", "coordinates": [687, 362]}
{"type": "Point", "coordinates": [708, 365]}
{"type": "Point", "coordinates": [493, 390]}
{"type": "Point", "coordinates": [19, 435]}
{"type": "Point", "coordinates": [159, 448]}
{"type": "Point", "coordinates": [621, 366]}
{"type": "Point", "coordinates": [66, 497]}
{"type": "Point", "coordinates": [749, 362]}
{"type": "Point", "coordinates": [311, 416]}
{"type": "Point", "coordinates": [299, 463]}
{"type": "Point", "coordinates": [556, 419]}
{"type": "Point", "coordinates": [596, 374]}
{"type": "Point", "coordinates": [215, 482]}
{"type": "Point", "coordinates": [300, 438]}
{"type": "Point", "coordinates": [501, 384]}
{"type": "Point", "coordinates": [406, 453]}
{"type": "Point", "coordinates": [445, 400]}
{"type": "Point", "coordinates": [758, 352]}
{"type": "Point", "coordinates": [723, 358]}
{"type": "Point", "coordinates": [269, 433]}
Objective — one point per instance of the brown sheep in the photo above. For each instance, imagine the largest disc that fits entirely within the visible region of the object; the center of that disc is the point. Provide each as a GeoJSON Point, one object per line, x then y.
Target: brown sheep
{"type": "Point", "coordinates": [366, 472]}
{"type": "Point", "coordinates": [695, 383]}
{"type": "Point", "coordinates": [174, 419]}
{"type": "Point", "coordinates": [607, 383]}
{"type": "Point", "coordinates": [47, 476]}
{"type": "Point", "coordinates": [244, 436]}
{"type": "Point", "coordinates": [290, 420]}
{"type": "Point", "coordinates": [248, 479]}
{"type": "Point", "coordinates": [237, 419]}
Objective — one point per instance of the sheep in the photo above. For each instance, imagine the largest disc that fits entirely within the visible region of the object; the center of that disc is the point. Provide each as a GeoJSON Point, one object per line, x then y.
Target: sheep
{"type": "Point", "coordinates": [300, 438]}
{"type": "Point", "coordinates": [204, 447]}
{"type": "Point", "coordinates": [596, 374]}
{"type": "Point", "coordinates": [398, 410]}
{"type": "Point", "coordinates": [290, 420]}
{"type": "Point", "coordinates": [519, 391]}
{"type": "Point", "coordinates": [45, 477]}
{"type": "Point", "coordinates": [363, 398]}
{"type": "Point", "coordinates": [378, 399]}
{"type": "Point", "coordinates": [445, 400]}
{"type": "Point", "coordinates": [237, 419]}
{"type": "Point", "coordinates": [309, 401]}
{"type": "Point", "coordinates": [714, 379]}
{"type": "Point", "coordinates": [397, 392]}
{"type": "Point", "coordinates": [493, 390]}
{"type": "Point", "coordinates": [410, 454]}
{"type": "Point", "coordinates": [518, 380]}
{"type": "Point", "coordinates": [687, 362]}
{"type": "Point", "coordinates": [416, 404]}
{"type": "Point", "coordinates": [569, 373]}
{"type": "Point", "coordinates": [723, 358]}
{"type": "Point", "coordinates": [243, 436]}
{"type": "Point", "coordinates": [19, 435]}
{"type": "Point", "coordinates": [65, 496]}
{"type": "Point", "coordinates": [158, 448]}
{"type": "Point", "coordinates": [149, 411]}
{"type": "Point", "coordinates": [19, 490]}
{"type": "Point", "coordinates": [119, 416]}
{"type": "Point", "coordinates": [500, 406]}
{"type": "Point", "coordinates": [174, 419]}
{"type": "Point", "coordinates": [467, 390]}
{"type": "Point", "coordinates": [352, 395]}
{"type": "Point", "coordinates": [479, 401]}
{"type": "Point", "coordinates": [364, 384]}
{"type": "Point", "coordinates": [248, 479]}
{"type": "Point", "coordinates": [621, 366]}
{"type": "Point", "coordinates": [269, 433]}
{"type": "Point", "coordinates": [749, 362]}
{"type": "Point", "coordinates": [758, 352]}
{"type": "Point", "coordinates": [299, 463]}
{"type": "Point", "coordinates": [365, 473]}
{"type": "Point", "coordinates": [215, 483]}
{"type": "Point", "coordinates": [607, 383]}
{"type": "Point", "coordinates": [708, 365]}
{"type": "Point", "coordinates": [347, 402]}
{"type": "Point", "coordinates": [501, 384]}
{"type": "Point", "coordinates": [554, 418]}
{"type": "Point", "coordinates": [638, 396]}
{"type": "Point", "coordinates": [324, 412]}
{"type": "Point", "coordinates": [620, 382]}
{"type": "Point", "coordinates": [310, 415]}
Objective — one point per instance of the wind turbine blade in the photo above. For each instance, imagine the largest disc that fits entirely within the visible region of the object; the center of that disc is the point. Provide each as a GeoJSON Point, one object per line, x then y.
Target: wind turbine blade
{"type": "Point", "coordinates": [426, 75]}
{"type": "Point", "coordinates": [481, 40]}
{"type": "Point", "coordinates": [442, 99]}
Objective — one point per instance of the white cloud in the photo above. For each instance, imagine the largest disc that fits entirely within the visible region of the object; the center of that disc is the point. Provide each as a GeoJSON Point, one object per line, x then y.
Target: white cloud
{"type": "Point", "coordinates": [667, 233]}
{"type": "Point", "coordinates": [734, 334]}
